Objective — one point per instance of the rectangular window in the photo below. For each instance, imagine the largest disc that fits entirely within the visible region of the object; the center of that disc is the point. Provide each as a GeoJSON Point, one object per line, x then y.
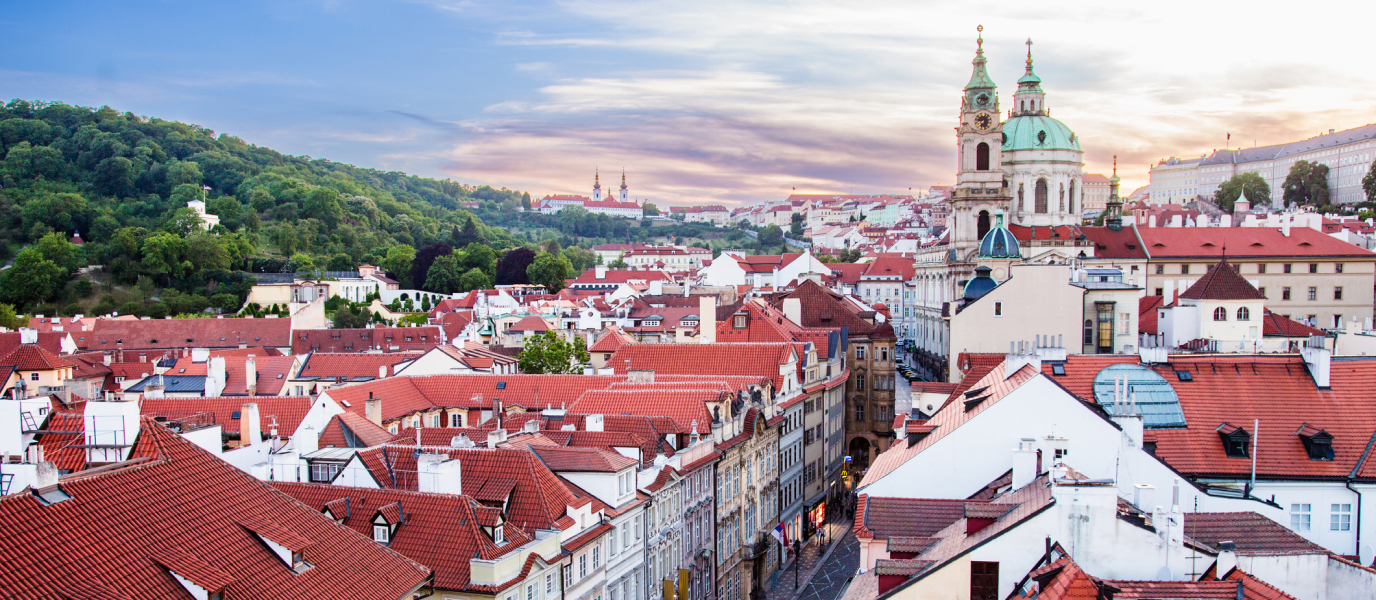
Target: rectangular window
{"type": "Point", "coordinates": [1286, 267]}
{"type": "Point", "coordinates": [1262, 289]}
{"type": "Point", "coordinates": [1285, 293]}
{"type": "Point", "coordinates": [568, 575]}
{"type": "Point", "coordinates": [998, 309]}
{"type": "Point", "coordinates": [549, 584]}
{"type": "Point", "coordinates": [1337, 321]}
{"type": "Point", "coordinates": [1338, 293]}
{"type": "Point", "coordinates": [1313, 293]}
{"type": "Point", "coordinates": [859, 383]}
{"type": "Point", "coordinates": [455, 420]}
{"type": "Point", "coordinates": [984, 580]}
{"type": "Point", "coordinates": [1299, 517]}
{"type": "Point", "coordinates": [381, 534]}
{"type": "Point", "coordinates": [859, 353]}
{"type": "Point", "coordinates": [1261, 267]}
{"type": "Point", "coordinates": [883, 354]}
{"type": "Point", "coordinates": [1160, 292]}
{"type": "Point", "coordinates": [1337, 267]}
{"type": "Point", "coordinates": [859, 412]}
{"type": "Point", "coordinates": [1313, 267]}
{"type": "Point", "coordinates": [531, 592]}
{"type": "Point", "coordinates": [1184, 269]}
{"type": "Point", "coordinates": [595, 556]}
{"type": "Point", "coordinates": [1160, 269]}
{"type": "Point", "coordinates": [582, 566]}
{"type": "Point", "coordinates": [1340, 519]}
{"type": "Point", "coordinates": [1124, 322]}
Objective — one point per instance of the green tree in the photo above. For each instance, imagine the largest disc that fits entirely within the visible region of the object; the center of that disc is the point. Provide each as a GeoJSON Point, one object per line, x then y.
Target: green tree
{"type": "Point", "coordinates": [225, 302]}
{"type": "Point", "coordinates": [323, 204]}
{"type": "Point", "coordinates": [166, 255]}
{"type": "Point", "coordinates": [547, 352]}
{"type": "Point", "coordinates": [1369, 183]}
{"type": "Point", "coordinates": [340, 262]}
{"type": "Point", "coordinates": [183, 222]}
{"type": "Point", "coordinates": [114, 176]}
{"type": "Point", "coordinates": [8, 319]}
{"type": "Point", "coordinates": [184, 173]}
{"type": "Point", "coordinates": [207, 252]}
{"type": "Point", "coordinates": [1307, 183]}
{"type": "Point", "coordinates": [398, 262]}
{"type": "Point", "coordinates": [580, 260]}
{"type": "Point", "coordinates": [649, 209]}
{"type": "Point", "coordinates": [343, 318]}
{"type": "Point", "coordinates": [32, 279]}
{"type": "Point", "coordinates": [771, 236]}
{"type": "Point", "coordinates": [443, 276]}
{"type": "Point", "coordinates": [617, 264]}
{"type": "Point", "coordinates": [796, 225]}
{"type": "Point", "coordinates": [474, 279]}
{"type": "Point", "coordinates": [83, 288]}
{"type": "Point", "coordinates": [525, 201]}
{"type": "Point", "coordinates": [478, 256]}
{"type": "Point", "coordinates": [1250, 183]}
{"type": "Point", "coordinates": [549, 270]}
{"type": "Point", "coordinates": [63, 253]}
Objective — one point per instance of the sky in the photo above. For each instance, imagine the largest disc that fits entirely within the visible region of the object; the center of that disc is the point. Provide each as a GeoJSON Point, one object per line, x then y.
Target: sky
{"type": "Point", "coordinates": [700, 101]}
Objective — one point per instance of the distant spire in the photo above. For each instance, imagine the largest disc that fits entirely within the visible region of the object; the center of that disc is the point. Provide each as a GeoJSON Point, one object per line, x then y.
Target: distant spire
{"type": "Point", "coordinates": [979, 41]}
{"type": "Point", "coordinates": [623, 178]}
{"type": "Point", "coordinates": [979, 78]}
{"type": "Point", "coordinates": [1029, 55]}
{"type": "Point", "coordinates": [1113, 211]}
{"type": "Point", "coordinates": [596, 179]}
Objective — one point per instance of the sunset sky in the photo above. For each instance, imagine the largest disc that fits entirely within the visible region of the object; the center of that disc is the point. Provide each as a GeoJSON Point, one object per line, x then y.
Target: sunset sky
{"type": "Point", "coordinates": [700, 101]}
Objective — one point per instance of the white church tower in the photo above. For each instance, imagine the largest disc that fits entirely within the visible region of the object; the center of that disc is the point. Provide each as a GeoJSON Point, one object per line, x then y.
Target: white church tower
{"type": "Point", "coordinates": [596, 187]}
{"type": "Point", "coordinates": [624, 197]}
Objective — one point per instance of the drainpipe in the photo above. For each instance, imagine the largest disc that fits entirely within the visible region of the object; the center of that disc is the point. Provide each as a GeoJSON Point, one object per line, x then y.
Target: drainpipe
{"type": "Point", "coordinates": [1358, 524]}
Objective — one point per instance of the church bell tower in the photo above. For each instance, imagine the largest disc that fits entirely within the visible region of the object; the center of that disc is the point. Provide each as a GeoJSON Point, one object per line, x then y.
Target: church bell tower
{"type": "Point", "coordinates": [980, 189]}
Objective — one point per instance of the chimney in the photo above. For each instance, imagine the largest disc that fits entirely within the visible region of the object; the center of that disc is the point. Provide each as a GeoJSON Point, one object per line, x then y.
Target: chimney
{"type": "Point", "coordinates": [372, 409]}
{"type": "Point", "coordinates": [600, 272]}
{"type": "Point", "coordinates": [382, 371]}
{"type": "Point", "coordinates": [531, 426]}
{"type": "Point", "coordinates": [47, 475]}
{"type": "Point", "coordinates": [1143, 495]}
{"type": "Point", "coordinates": [200, 355]}
{"type": "Point", "coordinates": [707, 315]}
{"type": "Point", "coordinates": [28, 335]}
{"type": "Point", "coordinates": [496, 437]}
{"type": "Point", "coordinates": [215, 377]}
{"type": "Point", "coordinates": [251, 375]}
{"type": "Point", "coordinates": [1024, 463]}
{"type": "Point", "coordinates": [1020, 354]}
{"type": "Point", "coordinates": [1317, 357]}
{"type": "Point", "coordinates": [793, 310]}
{"type": "Point", "coordinates": [439, 474]}
{"type": "Point", "coordinates": [592, 423]}
{"type": "Point", "coordinates": [1227, 559]}
{"type": "Point", "coordinates": [107, 358]}
{"type": "Point", "coordinates": [640, 375]}
{"type": "Point", "coordinates": [250, 425]}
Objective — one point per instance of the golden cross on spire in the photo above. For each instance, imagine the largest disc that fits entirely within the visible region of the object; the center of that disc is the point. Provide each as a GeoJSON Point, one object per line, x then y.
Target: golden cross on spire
{"type": "Point", "coordinates": [980, 40]}
{"type": "Point", "coordinates": [1029, 53]}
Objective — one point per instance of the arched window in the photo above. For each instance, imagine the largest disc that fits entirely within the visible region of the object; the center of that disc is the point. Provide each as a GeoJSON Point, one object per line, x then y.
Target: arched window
{"type": "Point", "coordinates": [1040, 196]}
{"type": "Point", "coordinates": [1220, 314]}
{"type": "Point", "coordinates": [1072, 197]}
{"type": "Point", "coordinates": [983, 223]}
{"type": "Point", "coordinates": [1243, 314]}
{"type": "Point", "coordinates": [1024, 106]}
{"type": "Point", "coordinates": [982, 157]}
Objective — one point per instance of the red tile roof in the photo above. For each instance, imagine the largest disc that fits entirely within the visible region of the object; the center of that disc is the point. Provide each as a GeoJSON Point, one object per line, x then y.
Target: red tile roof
{"type": "Point", "coordinates": [612, 339]}
{"type": "Point", "coordinates": [402, 396]}
{"type": "Point", "coordinates": [393, 339]}
{"type": "Point", "coordinates": [886, 266]}
{"type": "Point", "coordinates": [822, 307]}
{"type": "Point", "coordinates": [536, 501]}
{"type": "Point", "coordinates": [883, 518]}
{"type": "Point", "coordinates": [195, 505]}
{"type": "Point", "coordinates": [1222, 282]}
{"type": "Point", "coordinates": [351, 365]}
{"type": "Point", "coordinates": [32, 357]}
{"type": "Point", "coordinates": [52, 342]}
{"type": "Point", "coordinates": [1253, 533]}
{"type": "Point", "coordinates": [352, 430]}
{"type": "Point", "coordinates": [440, 531]}
{"type": "Point", "coordinates": [286, 411]}
{"type": "Point", "coordinates": [582, 459]}
{"type": "Point", "coordinates": [1109, 243]}
{"type": "Point", "coordinates": [1243, 242]}
{"type": "Point", "coordinates": [756, 360]}
{"type": "Point", "coordinates": [1146, 313]}
{"type": "Point", "coordinates": [530, 323]}
{"type": "Point", "coordinates": [684, 407]}
{"type": "Point", "coordinates": [161, 334]}
{"type": "Point", "coordinates": [1273, 324]}
{"type": "Point", "coordinates": [618, 276]}
{"type": "Point", "coordinates": [271, 371]}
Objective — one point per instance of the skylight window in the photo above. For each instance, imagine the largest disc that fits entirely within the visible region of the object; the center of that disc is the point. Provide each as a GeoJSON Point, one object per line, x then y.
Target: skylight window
{"type": "Point", "coordinates": [1156, 400]}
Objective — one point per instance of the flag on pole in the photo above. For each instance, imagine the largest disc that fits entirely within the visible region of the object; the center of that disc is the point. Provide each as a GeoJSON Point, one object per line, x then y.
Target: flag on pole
{"type": "Point", "coordinates": [205, 187]}
{"type": "Point", "coordinates": [780, 534]}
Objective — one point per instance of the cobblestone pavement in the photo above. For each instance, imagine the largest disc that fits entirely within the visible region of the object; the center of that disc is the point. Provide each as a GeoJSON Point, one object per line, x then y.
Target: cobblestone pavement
{"type": "Point", "coordinates": [824, 569]}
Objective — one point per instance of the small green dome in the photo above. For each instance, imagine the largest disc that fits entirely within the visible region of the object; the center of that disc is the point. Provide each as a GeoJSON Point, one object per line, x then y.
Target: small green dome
{"type": "Point", "coordinates": [1030, 78]}
{"type": "Point", "coordinates": [1036, 132]}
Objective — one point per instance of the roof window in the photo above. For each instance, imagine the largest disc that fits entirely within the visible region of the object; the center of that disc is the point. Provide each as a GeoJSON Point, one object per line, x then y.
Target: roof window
{"type": "Point", "coordinates": [1184, 376]}
{"type": "Point", "coordinates": [501, 385]}
{"type": "Point", "coordinates": [1318, 444]}
{"type": "Point", "coordinates": [1236, 440]}
{"type": "Point", "coordinates": [1058, 369]}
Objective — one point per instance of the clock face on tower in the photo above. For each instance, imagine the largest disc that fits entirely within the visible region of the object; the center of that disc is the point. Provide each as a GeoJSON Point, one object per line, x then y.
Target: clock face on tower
{"type": "Point", "coordinates": [983, 121]}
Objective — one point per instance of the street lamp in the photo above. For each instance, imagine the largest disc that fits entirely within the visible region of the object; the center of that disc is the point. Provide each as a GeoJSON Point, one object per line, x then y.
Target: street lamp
{"type": "Point", "coordinates": [797, 558]}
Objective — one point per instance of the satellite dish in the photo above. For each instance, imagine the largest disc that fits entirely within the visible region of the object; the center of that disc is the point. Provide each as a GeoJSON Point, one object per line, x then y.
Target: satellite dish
{"type": "Point", "coordinates": [1165, 574]}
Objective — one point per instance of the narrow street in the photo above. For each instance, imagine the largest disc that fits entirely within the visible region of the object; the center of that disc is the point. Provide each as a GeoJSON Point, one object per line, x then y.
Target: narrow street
{"type": "Point", "coordinates": [824, 569]}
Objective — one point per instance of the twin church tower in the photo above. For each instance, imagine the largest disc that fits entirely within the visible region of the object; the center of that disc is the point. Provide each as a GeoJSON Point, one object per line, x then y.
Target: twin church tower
{"type": "Point", "coordinates": [1021, 167]}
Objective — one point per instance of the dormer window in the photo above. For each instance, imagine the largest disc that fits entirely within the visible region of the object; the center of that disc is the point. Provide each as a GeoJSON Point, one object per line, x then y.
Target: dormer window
{"type": "Point", "coordinates": [382, 534]}
{"type": "Point", "coordinates": [738, 322]}
{"type": "Point", "coordinates": [1236, 441]}
{"type": "Point", "coordinates": [498, 536]}
{"type": "Point", "coordinates": [1318, 444]}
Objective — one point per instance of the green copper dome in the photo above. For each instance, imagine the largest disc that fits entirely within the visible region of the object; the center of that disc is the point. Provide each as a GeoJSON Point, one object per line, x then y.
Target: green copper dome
{"type": "Point", "coordinates": [1035, 132]}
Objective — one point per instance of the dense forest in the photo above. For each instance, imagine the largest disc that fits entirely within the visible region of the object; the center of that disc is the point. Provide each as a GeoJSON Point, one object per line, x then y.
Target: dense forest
{"type": "Point", "coordinates": [121, 182]}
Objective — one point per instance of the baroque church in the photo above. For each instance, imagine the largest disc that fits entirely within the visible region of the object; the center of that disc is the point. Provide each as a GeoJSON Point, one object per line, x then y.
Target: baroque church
{"type": "Point", "coordinates": [1018, 177]}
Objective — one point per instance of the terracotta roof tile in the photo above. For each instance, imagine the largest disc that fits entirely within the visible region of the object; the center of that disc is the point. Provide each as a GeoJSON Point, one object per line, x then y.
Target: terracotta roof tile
{"type": "Point", "coordinates": [328, 365]}
{"type": "Point", "coordinates": [1222, 282]}
{"type": "Point", "coordinates": [393, 339]}
{"type": "Point", "coordinates": [162, 334]}
{"type": "Point", "coordinates": [907, 517]}
{"type": "Point", "coordinates": [1253, 533]}
{"type": "Point", "coordinates": [184, 494]}
{"type": "Point", "coordinates": [286, 411]}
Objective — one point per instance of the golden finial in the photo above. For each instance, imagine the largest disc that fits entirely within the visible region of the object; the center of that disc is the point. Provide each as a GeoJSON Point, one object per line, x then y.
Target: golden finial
{"type": "Point", "coordinates": [979, 42]}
